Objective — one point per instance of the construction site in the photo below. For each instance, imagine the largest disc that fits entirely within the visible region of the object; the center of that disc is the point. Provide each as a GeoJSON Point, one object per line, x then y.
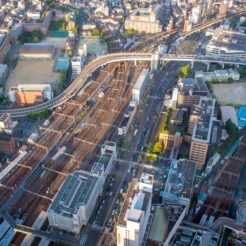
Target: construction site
{"type": "Point", "coordinates": [69, 141]}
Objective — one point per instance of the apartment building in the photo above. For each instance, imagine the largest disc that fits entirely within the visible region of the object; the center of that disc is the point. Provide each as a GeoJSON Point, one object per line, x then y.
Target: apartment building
{"type": "Point", "coordinates": [190, 91]}
{"type": "Point", "coordinates": [76, 199]}
{"type": "Point", "coordinates": [147, 20]}
{"type": "Point", "coordinates": [135, 212]}
{"type": "Point", "coordinates": [201, 125]}
{"type": "Point", "coordinates": [139, 88]}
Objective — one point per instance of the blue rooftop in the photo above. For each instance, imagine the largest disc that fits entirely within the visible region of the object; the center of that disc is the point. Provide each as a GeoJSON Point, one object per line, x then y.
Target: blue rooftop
{"type": "Point", "coordinates": [62, 64]}
{"type": "Point", "coordinates": [241, 117]}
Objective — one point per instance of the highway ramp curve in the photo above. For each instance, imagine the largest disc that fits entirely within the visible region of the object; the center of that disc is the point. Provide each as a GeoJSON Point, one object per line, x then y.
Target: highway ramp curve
{"type": "Point", "coordinates": [79, 82]}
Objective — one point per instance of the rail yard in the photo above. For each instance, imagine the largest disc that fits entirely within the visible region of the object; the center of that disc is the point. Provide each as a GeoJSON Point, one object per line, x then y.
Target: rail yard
{"type": "Point", "coordinates": [73, 126]}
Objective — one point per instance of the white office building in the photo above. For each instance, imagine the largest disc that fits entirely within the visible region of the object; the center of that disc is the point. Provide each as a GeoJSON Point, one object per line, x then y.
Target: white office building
{"type": "Point", "coordinates": [139, 87]}
{"type": "Point", "coordinates": [134, 216]}
{"type": "Point", "coordinates": [76, 199]}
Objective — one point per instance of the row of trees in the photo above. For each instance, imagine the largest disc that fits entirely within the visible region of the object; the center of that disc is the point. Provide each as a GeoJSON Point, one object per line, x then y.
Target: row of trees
{"type": "Point", "coordinates": [130, 32]}
{"type": "Point", "coordinates": [164, 127]}
{"type": "Point", "coordinates": [153, 152]}
{"type": "Point", "coordinates": [39, 116]}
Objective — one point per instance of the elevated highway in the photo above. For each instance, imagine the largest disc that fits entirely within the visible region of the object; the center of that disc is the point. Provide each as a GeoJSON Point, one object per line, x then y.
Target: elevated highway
{"type": "Point", "coordinates": [86, 72]}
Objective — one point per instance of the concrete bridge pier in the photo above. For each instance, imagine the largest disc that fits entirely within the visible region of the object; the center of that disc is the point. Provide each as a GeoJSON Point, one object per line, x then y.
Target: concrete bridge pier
{"type": "Point", "coordinates": [208, 65]}
{"type": "Point", "coordinates": [155, 61]}
{"type": "Point", "coordinates": [222, 65]}
{"type": "Point", "coordinates": [135, 63]}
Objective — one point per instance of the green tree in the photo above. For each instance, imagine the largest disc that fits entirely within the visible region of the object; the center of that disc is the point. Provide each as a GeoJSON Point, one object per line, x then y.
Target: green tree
{"type": "Point", "coordinates": [185, 71]}
{"type": "Point", "coordinates": [231, 128]}
{"type": "Point", "coordinates": [157, 148]}
{"type": "Point", "coordinates": [230, 80]}
{"type": "Point", "coordinates": [95, 32]}
{"type": "Point", "coordinates": [233, 22]}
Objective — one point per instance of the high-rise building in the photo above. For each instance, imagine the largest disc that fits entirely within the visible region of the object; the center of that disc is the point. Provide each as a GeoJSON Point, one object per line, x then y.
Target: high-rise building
{"type": "Point", "coordinates": [202, 116]}
{"type": "Point", "coordinates": [73, 204]}
{"type": "Point", "coordinates": [135, 212]}
{"type": "Point", "coordinates": [179, 184]}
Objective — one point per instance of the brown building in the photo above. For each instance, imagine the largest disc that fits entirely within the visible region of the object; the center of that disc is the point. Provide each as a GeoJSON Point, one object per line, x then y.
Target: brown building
{"type": "Point", "coordinates": [29, 98]}
{"type": "Point", "coordinates": [190, 92]}
{"type": "Point", "coordinates": [7, 144]}
{"type": "Point", "coordinates": [198, 152]}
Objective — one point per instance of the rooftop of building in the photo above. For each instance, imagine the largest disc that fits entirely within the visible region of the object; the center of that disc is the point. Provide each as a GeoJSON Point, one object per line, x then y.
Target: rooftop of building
{"type": "Point", "coordinates": [180, 179]}
{"type": "Point", "coordinates": [141, 78]}
{"type": "Point", "coordinates": [147, 178]}
{"type": "Point", "coordinates": [127, 116]}
{"type": "Point", "coordinates": [186, 82]}
{"type": "Point", "coordinates": [37, 48]}
{"type": "Point", "coordinates": [197, 88]}
{"type": "Point", "coordinates": [231, 40]}
{"type": "Point", "coordinates": [75, 191]}
{"type": "Point", "coordinates": [177, 116]}
{"type": "Point", "coordinates": [159, 226]}
{"type": "Point", "coordinates": [205, 111]}
{"type": "Point", "coordinates": [135, 204]}
{"type": "Point", "coordinates": [186, 235]}
{"type": "Point", "coordinates": [174, 121]}
{"type": "Point", "coordinates": [165, 218]}
{"type": "Point", "coordinates": [5, 137]}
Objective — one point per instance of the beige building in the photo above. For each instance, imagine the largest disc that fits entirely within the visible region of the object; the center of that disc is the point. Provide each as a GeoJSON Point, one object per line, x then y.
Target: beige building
{"type": "Point", "coordinates": [170, 140]}
{"type": "Point", "coordinates": [146, 20]}
{"type": "Point", "coordinates": [190, 92]}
